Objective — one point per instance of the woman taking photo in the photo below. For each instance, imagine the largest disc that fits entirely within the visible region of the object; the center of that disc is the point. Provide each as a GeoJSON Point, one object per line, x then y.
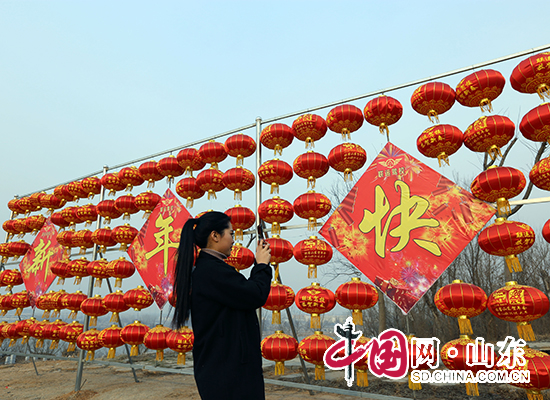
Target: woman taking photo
{"type": "Point", "coordinates": [227, 358]}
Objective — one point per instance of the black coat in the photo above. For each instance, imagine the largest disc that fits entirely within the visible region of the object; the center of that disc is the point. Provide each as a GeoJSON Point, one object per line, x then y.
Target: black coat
{"type": "Point", "coordinates": [226, 353]}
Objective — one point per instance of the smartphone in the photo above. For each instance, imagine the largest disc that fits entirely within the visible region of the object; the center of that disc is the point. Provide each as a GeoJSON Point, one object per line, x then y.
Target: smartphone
{"type": "Point", "coordinates": [260, 232]}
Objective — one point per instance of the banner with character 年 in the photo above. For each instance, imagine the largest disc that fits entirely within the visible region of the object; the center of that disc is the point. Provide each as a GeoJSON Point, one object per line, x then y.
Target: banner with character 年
{"type": "Point", "coordinates": [403, 223]}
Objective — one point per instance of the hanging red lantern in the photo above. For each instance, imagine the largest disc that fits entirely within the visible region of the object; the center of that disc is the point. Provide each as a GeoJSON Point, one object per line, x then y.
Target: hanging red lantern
{"type": "Point", "coordinates": [463, 301]}
{"type": "Point", "coordinates": [507, 238]}
{"type": "Point", "coordinates": [130, 177]}
{"type": "Point", "coordinates": [497, 185]}
{"type": "Point", "coordinates": [238, 179]}
{"type": "Point", "coordinates": [35, 201]}
{"type": "Point", "coordinates": [315, 300]}
{"type": "Point", "coordinates": [120, 269]}
{"type": "Point", "coordinates": [345, 119]}
{"type": "Point", "coordinates": [279, 347]}
{"type": "Point", "coordinates": [313, 348]}
{"type": "Point", "coordinates": [124, 235]}
{"type": "Point", "coordinates": [190, 160]}
{"type": "Point", "coordinates": [65, 239]}
{"type": "Point", "coordinates": [211, 181]}
{"type": "Point", "coordinates": [133, 335]}
{"type": "Point", "coordinates": [242, 218]}
{"type": "Point", "coordinates": [52, 202]}
{"type": "Point", "coordinates": [5, 251]}
{"type": "Point", "coordinates": [19, 301]}
{"type": "Point", "coordinates": [18, 249]}
{"type": "Point", "coordinates": [357, 296]}
{"type": "Point", "coordinates": [51, 332]}
{"type": "Point", "coordinates": [98, 269]}
{"type": "Point", "coordinates": [532, 75]}
{"type": "Point", "coordinates": [276, 211]}
{"type": "Point", "coordinates": [346, 158]}
{"type": "Point", "coordinates": [147, 202]}
{"type": "Point", "coordinates": [107, 209]}
{"type": "Point", "coordinates": [56, 300]}
{"type": "Point", "coordinates": [312, 206]}
{"type": "Point", "coordinates": [87, 213]}
{"type": "Point", "coordinates": [94, 308]}
{"type": "Point", "coordinates": [91, 185]}
{"type": "Point", "coordinates": [489, 134]}
{"type": "Point", "coordinates": [535, 125]}
{"type": "Point", "coordinates": [520, 304]}
{"type": "Point", "coordinates": [69, 214]}
{"type": "Point", "coordinates": [126, 205]}
{"type": "Point", "coordinates": [546, 231]}
{"type": "Point", "coordinates": [112, 183]}
{"type": "Point", "coordinates": [281, 251]}
{"type": "Point", "coordinates": [170, 168]}
{"type": "Point", "coordinates": [138, 298]}
{"type": "Point", "coordinates": [103, 237]}
{"type": "Point", "coordinates": [73, 301]}
{"type": "Point", "coordinates": [25, 205]}
{"type": "Point", "coordinates": [480, 88]}
{"type": "Point", "coordinates": [10, 228]}
{"type": "Point", "coordinates": [310, 166]}
{"type": "Point", "coordinates": [76, 190]}
{"type": "Point", "coordinates": [440, 141]}
{"type": "Point", "coordinates": [62, 192]}
{"type": "Point", "coordinates": [69, 333]}
{"type": "Point", "coordinates": [309, 128]}
{"type": "Point", "coordinates": [213, 152]}
{"type": "Point", "coordinates": [181, 341]}
{"type": "Point", "coordinates": [23, 329]}
{"type": "Point", "coordinates": [149, 172]}
{"type": "Point", "coordinates": [114, 303]}
{"type": "Point", "coordinates": [433, 99]}
{"type": "Point", "coordinates": [241, 257]}
{"type": "Point", "coordinates": [188, 189]}
{"type": "Point", "coordinates": [78, 269]}
{"type": "Point", "coordinates": [312, 252]}
{"type": "Point", "coordinates": [14, 207]}
{"type": "Point", "coordinates": [83, 239]}
{"type": "Point", "coordinates": [540, 174]}
{"type": "Point", "coordinates": [37, 331]}
{"type": "Point", "coordinates": [5, 304]}
{"type": "Point", "coordinates": [89, 341]}
{"type": "Point", "coordinates": [277, 137]}
{"type": "Point", "coordinates": [110, 339]}
{"type": "Point", "coordinates": [275, 172]}
{"type": "Point", "coordinates": [21, 227]}
{"type": "Point", "coordinates": [34, 223]}
{"type": "Point", "coordinates": [155, 339]}
{"type": "Point", "coordinates": [10, 278]}
{"type": "Point", "coordinates": [538, 365]}
{"type": "Point", "coordinates": [240, 146]}
{"type": "Point", "coordinates": [280, 298]}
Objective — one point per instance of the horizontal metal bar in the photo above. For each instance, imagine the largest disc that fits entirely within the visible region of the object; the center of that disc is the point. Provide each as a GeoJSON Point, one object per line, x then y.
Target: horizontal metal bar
{"type": "Point", "coordinates": [529, 201]}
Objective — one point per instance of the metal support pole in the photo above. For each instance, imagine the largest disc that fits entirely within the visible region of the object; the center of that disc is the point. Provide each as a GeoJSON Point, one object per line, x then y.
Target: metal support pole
{"type": "Point", "coordinates": [258, 194]}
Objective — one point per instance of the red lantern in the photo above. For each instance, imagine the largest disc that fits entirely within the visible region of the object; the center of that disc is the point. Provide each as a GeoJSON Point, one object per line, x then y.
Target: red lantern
{"type": "Point", "coordinates": [507, 238]}
{"type": "Point", "coordinates": [91, 185]}
{"type": "Point", "coordinates": [126, 205]}
{"type": "Point", "coordinates": [382, 112]}
{"type": "Point", "coordinates": [346, 158]}
{"type": "Point", "coordinates": [60, 269]}
{"type": "Point", "coordinates": [87, 213]}
{"type": "Point", "coordinates": [357, 296]}
{"type": "Point", "coordinates": [5, 304]}
{"type": "Point", "coordinates": [65, 239]}
{"type": "Point", "coordinates": [180, 341]}
{"type": "Point", "coordinates": [11, 278]}
{"type": "Point", "coordinates": [315, 300]}
{"type": "Point", "coordinates": [98, 269]}
{"type": "Point", "coordinates": [19, 301]}
{"type": "Point", "coordinates": [188, 189]}
{"type": "Point", "coordinates": [277, 137]}
{"type": "Point", "coordinates": [107, 209]}
{"type": "Point", "coordinates": [76, 190]}
{"type": "Point", "coordinates": [440, 141]}
{"type": "Point", "coordinates": [77, 268]}
{"type": "Point", "coordinates": [433, 99]}
{"type": "Point", "coordinates": [241, 218]}
{"type": "Point", "coordinates": [10, 228]}
{"type": "Point", "coordinates": [23, 329]}
{"type": "Point", "coordinates": [93, 307]}
{"type": "Point", "coordinates": [170, 168]}
{"type": "Point", "coordinates": [83, 239]}
{"type": "Point", "coordinates": [489, 134]}
{"type": "Point", "coordinates": [533, 75]}
{"type": "Point", "coordinates": [281, 251]}
{"type": "Point", "coordinates": [238, 180]}
{"type": "Point", "coordinates": [538, 365]}
{"type": "Point", "coordinates": [520, 304]}
{"type": "Point", "coordinates": [480, 88]}
{"type": "Point", "coordinates": [275, 172]}
{"type": "Point", "coordinates": [37, 331]}
{"type": "Point", "coordinates": [103, 237]}
{"type": "Point", "coordinates": [51, 332]}
{"type": "Point", "coordinates": [147, 202]}
{"type": "Point", "coordinates": [112, 182]}
{"type": "Point", "coordinates": [114, 303]}
{"type": "Point", "coordinates": [280, 298]}
{"type": "Point", "coordinates": [35, 201]}
{"type": "Point", "coordinates": [463, 301]}
{"type": "Point", "coordinates": [211, 181]}
{"type": "Point", "coordinates": [546, 231]}
{"type": "Point", "coordinates": [155, 339]}
{"type": "Point", "coordinates": [498, 184]}
{"type": "Point", "coordinates": [276, 211]}
{"type": "Point", "coordinates": [138, 298]}
{"type": "Point", "coordinates": [310, 166]}
{"type": "Point", "coordinates": [70, 215]}
{"type": "Point", "coordinates": [190, 160]}
{"type": "Point", "coordinates": [124, 235]}
{"type": "Point", "coordinates": [130, 177]}
{"type": "Point", "coordinates": [308, 128]}
{"type": "Point", "coordinates": [21, 227]}
{"type": "Point", "coordinates": [69, 333]}
{"type": "Point", "coordinates": [120, 269]}
{"type": "Point", "coordinates": [62, 192]}
{"type": "Point", "coordinates": [73, 301]}
{"type": "Point", "coordinates": [240, 146]}
{"type": "Point", "coordinates": [52, 202]}
{"type": "Point", "coordinates": [540, 174]}
{"type": "Point", "coordinates": [345, 119]}
{"type": "Point", "coordinates": [5, 251]}
{"type": "Point", "coordinates": [133, 335]}
{"type": "Point", "coordinates": [34, 223]}
{"type": "Point", "coordinates": [14, 207]}
{"type": "Point", "coordinates": [312, 252]}
{"type": "Point", "coordinates": [241, 257]}
{"type": "Point", "coordinates": [149, 172]}
{"type": "Point", "coordinates": [279, 347]}
{"type": "Point", "coordinates": [535, 125]}
{"type": "Point", "coordinates": [213, 152]}
{"type": "Point", "coordinates": [313, 348]}
{"type": "Point", "coordinates": [18, 249]}
{"type": "Point", "coordinates": [312, 206]}
{"type": "Point", "coordinates": [110, 339]}
{"type": "Point", "coordinates": [89, 341]}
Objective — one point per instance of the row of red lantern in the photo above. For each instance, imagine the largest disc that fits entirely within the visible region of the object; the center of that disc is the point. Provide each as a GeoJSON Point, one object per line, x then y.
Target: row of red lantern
{"type": "Point", "coordinates": [13, 249]}
{"type": "Point", "coordinates": [10, 278]}
{"type": "Point", "coordinates": [98, 269]}
{"type": "Point", "coordinates": [21, 226]}
{"type": "Point", "coordinates": [103, 237]}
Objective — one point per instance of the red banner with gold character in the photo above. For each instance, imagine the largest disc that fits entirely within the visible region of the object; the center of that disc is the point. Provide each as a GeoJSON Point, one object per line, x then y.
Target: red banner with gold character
{"type": "Point", "coordinates": [35, 266]}
{"type": "Point", "coordinates": [403, 223]}
{"type": "Point", "coordinates": [154, 249]}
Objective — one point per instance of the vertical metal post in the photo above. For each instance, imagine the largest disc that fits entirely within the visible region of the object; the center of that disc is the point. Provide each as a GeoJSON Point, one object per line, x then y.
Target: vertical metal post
{"type": "Point", "coordinates": [78, 383]}
{"type": "Point", "coordinates": [258, 194]}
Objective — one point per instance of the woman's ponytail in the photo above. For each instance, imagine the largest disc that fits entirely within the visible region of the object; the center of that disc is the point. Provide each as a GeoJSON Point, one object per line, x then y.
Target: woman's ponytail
{"type": "Point", "coordinates": [182, 278]}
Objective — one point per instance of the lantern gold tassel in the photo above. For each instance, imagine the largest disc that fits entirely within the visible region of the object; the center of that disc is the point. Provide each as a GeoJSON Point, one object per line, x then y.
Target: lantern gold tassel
{"type": "Point", "coordinates": [309, 143]}
{"type": "Point", "coordinates": [90, 355]}
{"type": "Point", "coordinates": [169, 179]}
{"type": "Point", "coordinates": [525, 331]}
{"type": "Point", "coordinates": [278, 149]}
{"type": "Point", "coordinates": [238, 195]}
{"type": "Point", "coordinates": [471, 389]}
{"type": "Point", "coordinates": [118, 282]}
{"type": "Point", "coordinates": [465, 325]}
{"type": "Point", "coordinates": [543, 91]}
{"type": "Point", "coordinates": [312, 223]}
{"type": "Point", "coordinates": [443, 157]}
{"type": "Point", "coordinates": [414, 385]}
{"type": "Point", "coordinates": [311, 182]}
{"type": "Point", "coordinates": [239, 234]}
{"type": "Point", "coordinates": [279, 368]}
{"type": "Point", "coordinates": [134, 351]}
{"type": "Point", "coordinates": [276, 317]}
{"type": "Point", "coordinates": [72, 314]}
{"type": "Point", "coordinates": [93, 321]}
{"type": "Point", "coordinates": [71, 347]}
{"type": "Point", "coordinates": [384, 128]}
{"type": "Point", "coordinates": [275, 188]}
{"type": "Point", "coordinates": [240, 160]}
{"type": "Point", "coordinates": [146, 215]}
{"type": "Point", "coordinates": [54, 344]}
{"type": "Point", "coordinates": [315, 321]}
{"type": "Point", "coordinates": [160, 355]}
{"type": "Point", "coordinates": [357, 316]}
{"type": "Point", "coordinates": [503, 206]}
{"type": "Point", "coordinates": [432, 115]}
{"type": "Point", "coordinates": [189, 203]}
{"type": "Point", "coordinates": [126, 217]}
{"type": "Point", "coordinates": [486, 105]}
{"type": "Point", "coordinates": [346, 134]}
{"type": "Point", "coordinates": [312, 271]}
{"type": "Point", "coordinates": [181, 359]}
{"type": "Point", "coordinates": [111, 353]}
{"type": "Point", "coordinates": [534, 395]}
{"type": "Point", "coordinates": [513, 264]}
{"type": "Point", "coordinates": [275, 228]}
{"type": "Point", "coordinates": [77, 280]}
{"type": "Point", "coordinates": [211, 193]}
{"type": "Point", "coordinates": [46, 314]}
{"type": "Point", "coordinates": [494, 152]}
{"type": "Point", "coordinates": [362, 378]}
{"type": "Point", "coordinates": [39, 343]}
{"type": "Point", "coordinates": [319, 372]}
{"type": "Point", "coordinates": [348, 175]}
{"type": "Point", "coordinates": [114, 317]}
{"type": "Point", "coordinates": [150, 184]}
{"type": "Point", "coordinates": [276, 274]}
{"type": "Point", "coordinates": [12, 342]}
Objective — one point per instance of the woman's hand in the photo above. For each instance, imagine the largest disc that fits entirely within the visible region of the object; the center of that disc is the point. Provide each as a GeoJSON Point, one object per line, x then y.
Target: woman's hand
{"type": "Point", "coordinates": [263, 252]}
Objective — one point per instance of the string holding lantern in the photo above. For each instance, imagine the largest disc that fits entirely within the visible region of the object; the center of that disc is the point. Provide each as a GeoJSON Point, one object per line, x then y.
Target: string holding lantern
{"type": "Point", "coordinates": [147, 202]}
{"type": "Point", "coordinates": [346, 158]}
{"type": "Point", "coordinates": [535, 125]}
{"type": "Point", "coordinates": [83, 239]}
{"type": "Point", "coordinates": [211, 181]}
{"type": "Point", "coordinates": [125, 235]}
{"type": "Point", "coordinates": [238, 180]}
{"type": "Point", "coordinates": [345, 119]}
{"type": "Point", "coordinates": [126, 205]}
{"type": "Point", "coordinates": [97, 269]}
{"type": "Point", "coordinates": [73, 301]}
{"type": "Point", "coordinates": [315, 300]}
{"type": "Point", "coordinates": [274, 173]}
{"type": "Point", "coordinates": [93, 307]}
{"type": "Point", "coordinates": [110, 339]}
{"type": "Point", "coordinates": [114, 303]}
{"type": "Point", "coordinates": [480, 88]}
{"type": "Point", "coordinates": [130, 177]}
{"type": "Point", "coordinates": [112, 182]}
{"type": "Point", "coordinates": [240, 146]}
{"type": "Point", "coordinates": [310, 166]}
{"type": "Point", "coordinates": [312, 206]}
{"type": "Point", "coordinates": [240, 258]}
{"type": "Point", "coordinates": [280, 298]}
{"type": "Point", "coordinates": [213, 152]}
{"type": "Point", "coordinates": [281, 251]}
{"type": "Point", "coordinates": [120, 269]}
{"type": "Point", "coordinates": [149, 172]}
{"type": "Point", "coordinates": [276, 137]}
{"type": "Point", "coordinates": [440, 141]}
{"type": "Point", "coordinates": [313, 348]}
{"type": "Point", "coordinates": [275, 211]}
{"type": "Point", "coordinates": [107, 209]}
{"type": "Point", "coordinates": [181, 341]}
{"type": "Point", "coordinates": [89, 341]}
{"type": "Point", "coordinates": [520, 304]}
{"type": "Point", "coordinates": [382, 112]}
{"type": "Point", "coordinates": [69, 333]}
{"type": "Point", "coordinates": [155, 339]}
{"type": "Point", "coordinates": [170, 168]}
{"type": "Point", "coordinates": [462, 301]}
{"type": "Point", "coordinates": [532, 75]}
{"type": "Point", "coordinates": [242, 218]}
{"type": "Point", "coordinates": [133, 335]}
{"type": "Point", "coordinates": [308, 128]}
{"type": "Point", "coordinates": [190, 160]}
{"type": "Point", "coordinates": [312, 252]}
{"type": "Point", "coordinates": [188, 189]}
{"type": "Point", "coordinates": [433, 99]}
{"type": "Point", "coordinates": [538, 365]}
{"type": "Point", "coordinates": [540, 174]}
{"type": "Point", "coordinates": [489, 135]}
{"type": "Point", "coordinates": [103, 237]}
{"type": "Point", "coordinates": [357, 296]}
{"type": "Point", "coordinates": [91, 185]}
{"type": "Point", "coordinates": [279, 347]}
